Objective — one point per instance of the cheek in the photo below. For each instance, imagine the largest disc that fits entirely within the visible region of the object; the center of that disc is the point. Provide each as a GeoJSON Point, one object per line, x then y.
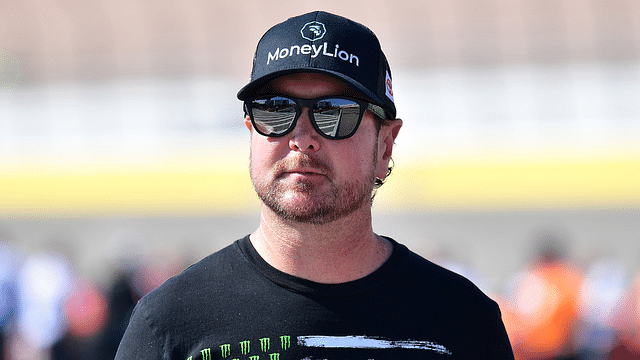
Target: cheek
{"type": "Point", "coordinates": [358, 157]}
{"type": "Point", "coordinates": [264, 151]}
{"type": "Point", "coordinates": [259, 153]}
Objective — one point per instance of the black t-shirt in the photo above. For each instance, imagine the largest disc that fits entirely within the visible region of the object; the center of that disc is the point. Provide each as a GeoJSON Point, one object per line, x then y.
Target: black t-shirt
{"type": "Point", "coordinates": [233, 305]}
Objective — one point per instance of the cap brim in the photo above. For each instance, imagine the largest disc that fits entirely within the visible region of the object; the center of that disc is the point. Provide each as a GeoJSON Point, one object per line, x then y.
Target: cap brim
{"type": "Point", "coordinates": [255, 85]}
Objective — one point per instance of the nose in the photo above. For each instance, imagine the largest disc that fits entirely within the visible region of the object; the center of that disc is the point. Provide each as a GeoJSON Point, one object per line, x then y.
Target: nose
{"type": "Point", "coordinates": [304, 136]}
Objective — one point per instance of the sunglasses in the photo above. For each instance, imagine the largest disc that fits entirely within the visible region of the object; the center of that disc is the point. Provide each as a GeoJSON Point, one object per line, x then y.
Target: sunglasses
{"type": "Point", "coordinates": [333, 117]}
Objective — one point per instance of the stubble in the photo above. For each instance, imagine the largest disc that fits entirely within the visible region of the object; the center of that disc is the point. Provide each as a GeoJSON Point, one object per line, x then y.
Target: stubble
{"type": "Point", "coordinates": [309, 202]}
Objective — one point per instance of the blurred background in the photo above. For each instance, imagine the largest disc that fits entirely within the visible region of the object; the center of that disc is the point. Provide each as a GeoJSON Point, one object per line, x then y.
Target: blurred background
{"type": "Point", "coordinates": [123, 158]}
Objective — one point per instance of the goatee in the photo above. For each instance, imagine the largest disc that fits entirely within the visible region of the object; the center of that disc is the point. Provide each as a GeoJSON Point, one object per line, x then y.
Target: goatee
{"type": "Point", "coordinates": [310, 202]}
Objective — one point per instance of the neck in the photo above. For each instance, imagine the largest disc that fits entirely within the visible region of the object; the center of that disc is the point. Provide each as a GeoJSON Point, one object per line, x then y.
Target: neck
{"type": "Point", "coordinates": [344, 250]}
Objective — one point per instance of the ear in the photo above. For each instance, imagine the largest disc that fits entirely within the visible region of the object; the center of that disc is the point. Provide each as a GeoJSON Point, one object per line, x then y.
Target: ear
{"type": "Point", "coordinates": [247, 123]}
{"type": "Point", "coordinates": [386, 139]}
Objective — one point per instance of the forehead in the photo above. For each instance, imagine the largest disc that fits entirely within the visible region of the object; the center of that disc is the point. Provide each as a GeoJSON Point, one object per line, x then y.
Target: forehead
{"type": "Point", "coordinates": [309, 85]}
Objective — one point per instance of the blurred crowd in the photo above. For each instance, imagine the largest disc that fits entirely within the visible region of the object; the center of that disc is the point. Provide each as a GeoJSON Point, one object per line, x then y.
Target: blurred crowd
{"type": "Point", "coordinates": [50, 311]}
{"type": "Point", "coordinates": [552, 308]}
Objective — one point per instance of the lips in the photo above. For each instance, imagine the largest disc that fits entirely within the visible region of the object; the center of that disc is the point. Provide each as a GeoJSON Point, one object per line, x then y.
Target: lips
{"type": "Point", "coordinates": [303, 175]}
{"type": "Point", "coordinates": [304, 172]}
{"type": "Point", "coordinates": [302, 166]}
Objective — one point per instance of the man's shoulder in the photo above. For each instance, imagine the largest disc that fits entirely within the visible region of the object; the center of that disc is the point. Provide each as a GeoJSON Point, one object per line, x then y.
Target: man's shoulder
{"type": "Point", "coordinates": [199, 281]}
{"type": "Point", "coordinates": [429, 278]}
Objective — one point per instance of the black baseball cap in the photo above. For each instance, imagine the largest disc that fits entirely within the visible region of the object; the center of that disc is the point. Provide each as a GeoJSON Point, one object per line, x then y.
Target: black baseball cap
{"type": "Point", "coordinates": [329, 44]}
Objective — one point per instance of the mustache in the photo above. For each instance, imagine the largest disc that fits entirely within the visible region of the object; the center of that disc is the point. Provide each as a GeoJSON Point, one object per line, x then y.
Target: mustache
{"type": "Point", "coordinates": [303, 161]}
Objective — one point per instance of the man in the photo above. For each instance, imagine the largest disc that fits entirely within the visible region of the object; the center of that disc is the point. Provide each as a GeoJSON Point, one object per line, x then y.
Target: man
{"type": "Point", "coordinates": [314, 281]}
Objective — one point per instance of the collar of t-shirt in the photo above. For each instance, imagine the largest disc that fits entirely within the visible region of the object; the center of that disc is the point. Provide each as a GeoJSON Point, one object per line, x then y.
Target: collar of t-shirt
{"type": "Point", "coordinates": [311, 288]}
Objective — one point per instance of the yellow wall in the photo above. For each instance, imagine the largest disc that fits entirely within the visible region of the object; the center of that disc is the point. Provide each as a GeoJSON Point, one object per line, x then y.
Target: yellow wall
{"type": "Point", "coordinates": [178, 189]}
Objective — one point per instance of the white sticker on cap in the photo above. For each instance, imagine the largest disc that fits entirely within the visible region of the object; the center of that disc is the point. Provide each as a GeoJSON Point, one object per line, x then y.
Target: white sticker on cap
{"type": "Point", "coordinates": [313, 31]}
{"type": "Point", "coordinates": [389, 87]}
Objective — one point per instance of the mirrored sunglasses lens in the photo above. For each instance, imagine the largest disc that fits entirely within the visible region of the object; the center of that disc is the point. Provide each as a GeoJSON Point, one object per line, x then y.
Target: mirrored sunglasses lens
{"type": "Point", "coordinates": [274, 115]}
{"type": "Point", "coordinates": [337, 117]}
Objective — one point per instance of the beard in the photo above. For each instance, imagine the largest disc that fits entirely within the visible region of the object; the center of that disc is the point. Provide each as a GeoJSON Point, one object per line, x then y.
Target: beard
{"type": "Point", "coordinates": [309, 202]}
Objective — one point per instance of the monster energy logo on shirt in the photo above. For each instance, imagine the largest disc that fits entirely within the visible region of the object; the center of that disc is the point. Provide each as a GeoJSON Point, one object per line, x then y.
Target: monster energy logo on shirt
{"type": "Point", "coordinates": [245, 347]}
{"type": "Point", "coordinates": [206, 354]}
{"type": "Point", "coordinates": [325, 342]}
{"type": "Point", "coordinates": [285, 342]}
{"type": "Point", "coordinates": [265, 344]}
{"type": "Point", "coordinates": [226, 350]}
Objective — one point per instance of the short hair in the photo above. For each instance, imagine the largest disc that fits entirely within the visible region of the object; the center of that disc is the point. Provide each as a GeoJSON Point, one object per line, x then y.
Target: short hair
{"type": "Point", "coordinates": [379, 123]}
